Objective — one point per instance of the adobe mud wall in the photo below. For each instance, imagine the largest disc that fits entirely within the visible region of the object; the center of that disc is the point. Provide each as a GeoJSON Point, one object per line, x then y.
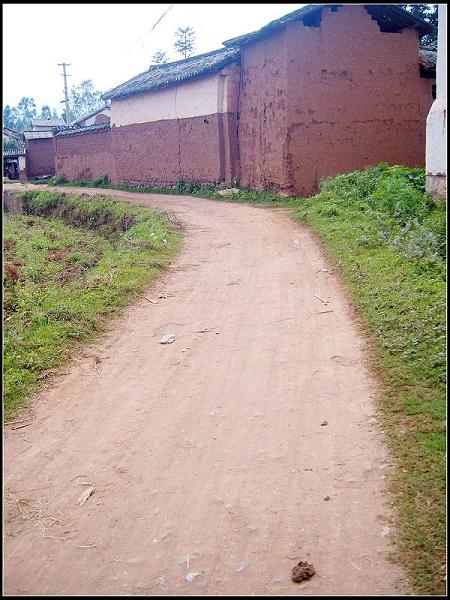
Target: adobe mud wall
{"type": "Point", "coordinates": [40, 158]}
{"type": "Point", "coordinates": [318, 101]}
{"type": "Point", "coordinates": [262, 114]}
{"type": "Point", "coordinates": [158, 137]}
{"type": "Point", "coordinates": [159, 153]}
{"type": "Point", "coordinates": [84, 155]}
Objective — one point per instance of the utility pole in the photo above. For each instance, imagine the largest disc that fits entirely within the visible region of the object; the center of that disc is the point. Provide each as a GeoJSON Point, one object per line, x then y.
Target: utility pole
{"type": "Point", "coordinates": [66, 94]}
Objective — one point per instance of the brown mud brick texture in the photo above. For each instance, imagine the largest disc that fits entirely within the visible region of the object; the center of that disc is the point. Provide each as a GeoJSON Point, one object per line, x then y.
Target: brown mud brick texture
{"type": "Point", "coordinates": [159, 153]}
{"type": "Point", "coordinates": [84, 156]}
{"type": "Point", "coordinates": [318, 101]}
{"type": "Point", "coordinates": [40, 158]}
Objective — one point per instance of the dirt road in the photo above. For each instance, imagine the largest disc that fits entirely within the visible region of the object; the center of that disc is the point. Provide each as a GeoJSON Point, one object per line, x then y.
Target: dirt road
{"type": "Point", "coordinates": [220, 460]}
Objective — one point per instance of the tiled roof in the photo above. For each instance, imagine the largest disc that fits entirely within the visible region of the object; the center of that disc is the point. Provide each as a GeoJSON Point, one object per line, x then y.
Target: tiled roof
{"type": "Point", "coordinates": [158, 76]}
{"type": "Point", "coordinates": [427, 58]}
{"type": "Point", "coordinates": [12, 152]}
{"type": "Point", "coordinates": [47, 122]}
{"type": "Point", "coordinates": [77, 130]}
{"type": "Point", "coordinates": [12, 133]}
{"type": "Point", "coordinates": [388, 16]}
{"type": "Point", "coordinates": [37, 135]}
{"type": "Point", "coordinates": [91, 114]}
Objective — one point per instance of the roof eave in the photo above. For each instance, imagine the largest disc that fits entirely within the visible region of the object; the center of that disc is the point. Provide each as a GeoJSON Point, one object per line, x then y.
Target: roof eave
{"type": "Point", "coordinates": [110, 95]}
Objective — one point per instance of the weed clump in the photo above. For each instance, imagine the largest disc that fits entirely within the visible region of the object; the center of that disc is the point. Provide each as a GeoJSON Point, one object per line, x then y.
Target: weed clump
{"type": "Point", "coordinates": [101, 180]}
{"type": "Point", "coordinates": [60, 180]}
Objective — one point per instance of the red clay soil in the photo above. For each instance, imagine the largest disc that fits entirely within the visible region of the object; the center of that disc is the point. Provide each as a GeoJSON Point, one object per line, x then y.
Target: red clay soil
{"type": "Point", "coordinates": [202, 466]}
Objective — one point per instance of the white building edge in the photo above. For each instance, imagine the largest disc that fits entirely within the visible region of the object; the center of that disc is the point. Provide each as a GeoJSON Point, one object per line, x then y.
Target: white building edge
{"type": "Point", "coordinates": [436, 148]}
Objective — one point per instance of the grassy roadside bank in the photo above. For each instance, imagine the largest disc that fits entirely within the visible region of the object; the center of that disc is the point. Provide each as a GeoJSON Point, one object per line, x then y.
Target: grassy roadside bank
{"type": "Point", "coordinates": [388, 240]}
{"type": "Point", "coordinates": [70, 263]}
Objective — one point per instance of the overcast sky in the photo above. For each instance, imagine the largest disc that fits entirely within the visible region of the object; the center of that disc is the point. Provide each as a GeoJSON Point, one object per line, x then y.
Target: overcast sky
{"type": "Point", "coordinates": [108, 43]}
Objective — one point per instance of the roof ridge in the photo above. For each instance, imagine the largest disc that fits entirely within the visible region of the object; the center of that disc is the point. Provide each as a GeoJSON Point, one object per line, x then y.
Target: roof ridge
{"type": "Point", "coordinates": [74, 130]}
{"type": "Point", "coordinates": [157, 76]}
{"type": "Point", "coordinates": [184, 60]}
{"type": "Point", "coordinates": [307, 10]}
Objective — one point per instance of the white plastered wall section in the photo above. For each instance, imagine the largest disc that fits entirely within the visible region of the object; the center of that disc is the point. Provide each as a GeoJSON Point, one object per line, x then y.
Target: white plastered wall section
{"type": "Point", "coordinates": [91, 120]}
{"type": "Point", "coordinates": [212, 94]}
{"type": "Point", "coordinates": [436, 152]}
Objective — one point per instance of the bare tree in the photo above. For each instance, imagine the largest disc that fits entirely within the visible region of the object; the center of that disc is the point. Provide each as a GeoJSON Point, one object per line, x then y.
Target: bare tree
{"type": "Point", "coordinates": [185, 41]}
{"type": "Point", "coordinates": [159, 58]}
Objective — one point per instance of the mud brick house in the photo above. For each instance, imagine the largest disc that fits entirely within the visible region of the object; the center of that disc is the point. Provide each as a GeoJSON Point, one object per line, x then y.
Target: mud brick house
{"type": "Point", "coordinates": [326, 89]}
{"type": "Point", "coordinates": [40, 157]}
{"type": "Point", "coordinates": [46, 124]}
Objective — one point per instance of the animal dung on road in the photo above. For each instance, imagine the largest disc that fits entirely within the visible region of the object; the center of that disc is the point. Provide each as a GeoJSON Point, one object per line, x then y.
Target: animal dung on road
{"type": "Point", "coordinates": [302, 571]}
{"type": "Point", "coordinates": [167, 339]}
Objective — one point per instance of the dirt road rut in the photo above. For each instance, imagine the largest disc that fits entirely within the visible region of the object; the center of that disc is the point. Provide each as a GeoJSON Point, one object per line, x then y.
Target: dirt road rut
{"type": "Point", "coordinates": [219, 461]}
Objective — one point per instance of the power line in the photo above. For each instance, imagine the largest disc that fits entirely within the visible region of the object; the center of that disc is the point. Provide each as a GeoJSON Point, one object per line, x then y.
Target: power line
{"type": "Point", "coordinates": [161, 17]}
{"type": "Point", "coordinates": [142, 40]}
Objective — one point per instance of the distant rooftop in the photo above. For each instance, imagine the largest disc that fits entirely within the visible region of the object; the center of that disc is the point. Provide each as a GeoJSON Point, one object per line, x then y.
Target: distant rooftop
{"type": "Point", "coordinates": [161, 75]}
{"type": "Point", "coordinates": [428, 58]}
{"type": "Point", "coordinates": [37, 135]}
{"type": "Point", "coordinates": [47, 122]}
{"type": "Point", "coordinates": [73, 130]}
{"type": "Point", "coordinates": [390, 18]}
{"type": "Point", "coordinates": [19, 150]}
{"type": "Point", "coordinates": [12, 133]}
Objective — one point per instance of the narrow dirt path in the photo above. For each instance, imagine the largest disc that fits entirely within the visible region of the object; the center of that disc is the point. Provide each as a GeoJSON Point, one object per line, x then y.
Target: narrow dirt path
{"type": "Point", "coordinates": [209, 455]}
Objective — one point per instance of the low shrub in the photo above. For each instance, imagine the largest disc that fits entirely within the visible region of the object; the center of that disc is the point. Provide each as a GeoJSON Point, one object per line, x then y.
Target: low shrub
{"type": "Point", "coordinates": [60, 180]}
{"type": "Point", "coordinates": [100, 180]}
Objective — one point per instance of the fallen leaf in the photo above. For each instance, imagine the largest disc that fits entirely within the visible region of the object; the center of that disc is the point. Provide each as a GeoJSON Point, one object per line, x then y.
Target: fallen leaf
{"type": "Point", "coordinates": [85, 495]}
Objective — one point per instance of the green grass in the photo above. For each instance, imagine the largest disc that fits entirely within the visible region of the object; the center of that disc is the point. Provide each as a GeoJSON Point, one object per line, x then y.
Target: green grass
{"type": "Point", "coordinates": [387, 239]}
{"type": "Point", "coordinates": [70, 263]}
{"type": "Point", "coordinates": [181, 188]}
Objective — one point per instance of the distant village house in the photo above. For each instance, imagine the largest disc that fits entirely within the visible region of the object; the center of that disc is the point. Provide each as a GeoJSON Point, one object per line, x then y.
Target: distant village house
{"type": "Point", "coordinates": [40, 156]}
